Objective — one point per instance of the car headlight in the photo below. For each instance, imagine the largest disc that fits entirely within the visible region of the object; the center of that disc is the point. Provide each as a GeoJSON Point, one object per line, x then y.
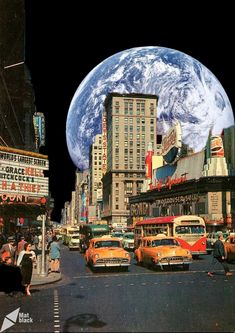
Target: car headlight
{"type": "Point", "coordinates": [159, 254]}
{"type": "Point", "coordinates": [96, 256]}
{"type": "Point", "coordinates": [127, 255]}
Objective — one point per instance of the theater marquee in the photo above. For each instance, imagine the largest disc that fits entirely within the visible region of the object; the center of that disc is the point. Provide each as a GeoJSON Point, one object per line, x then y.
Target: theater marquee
{"type": "Point", "coordinates": [22, 174]}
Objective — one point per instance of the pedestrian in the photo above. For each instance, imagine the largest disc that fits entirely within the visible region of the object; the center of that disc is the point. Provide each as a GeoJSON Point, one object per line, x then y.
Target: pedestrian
{"type": "Point", "coordinates": [9, 247]}
{"type": "Point", "coordinates": [20, 246]}
{"type": "Point", "coordinates": [25, 261]}
{"type": "Point", "coordinates": [35, 241]}
{"type": "Point", "coordinates": [55, 255]}
{"type": "Point", "coordinates": [219, 256]}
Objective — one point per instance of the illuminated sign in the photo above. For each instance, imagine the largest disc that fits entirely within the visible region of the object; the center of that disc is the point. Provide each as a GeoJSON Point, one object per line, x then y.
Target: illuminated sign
{"type": "Point", "coordinates": [217, 148]}
{"type": "Point", "coordinates": [39, 127]}
{"type": "Point", "coordinates": [172, 143]}
{"type": "Point", "coordinates": [140, 209]}
{"type": "Point", "coordinates": [104, 143]}
{"type": "Point", "coordinates": [179, 199]}
{"type": "Point", "coordinates": [23, 173]}
{"type": "Point", "coordinates": [168, 182]}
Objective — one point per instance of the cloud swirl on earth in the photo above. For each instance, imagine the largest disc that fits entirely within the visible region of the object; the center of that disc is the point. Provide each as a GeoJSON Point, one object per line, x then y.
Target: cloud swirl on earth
{"type": "Point", "coordinates": [187, 91]}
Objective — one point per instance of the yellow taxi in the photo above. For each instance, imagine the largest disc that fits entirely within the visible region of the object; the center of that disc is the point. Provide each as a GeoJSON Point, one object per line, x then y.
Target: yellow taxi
{"type": "Point", "coordinates": [229, 245]}
{"type": "Point", "coordinates": [107, 251]}
{"type": "Point", "coordinates": [160, 251]}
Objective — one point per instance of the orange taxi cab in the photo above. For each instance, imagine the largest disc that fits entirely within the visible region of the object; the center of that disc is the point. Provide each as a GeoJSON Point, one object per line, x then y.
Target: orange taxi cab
{"type": "Point", "coordinates": [107, 251]}
{"type": "Point", "coordinates": [229, 245]}
{"type": "Point", "coordinates": [160, 251]}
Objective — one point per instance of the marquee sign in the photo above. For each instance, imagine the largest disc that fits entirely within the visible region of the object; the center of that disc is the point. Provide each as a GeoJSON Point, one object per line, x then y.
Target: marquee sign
{"type": "Point", "coordinates": [22, 173]}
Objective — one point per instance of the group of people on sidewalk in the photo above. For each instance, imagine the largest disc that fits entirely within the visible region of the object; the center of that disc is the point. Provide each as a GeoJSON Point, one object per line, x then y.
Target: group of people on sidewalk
{"type": "Point", "coordinates": [17, 262]}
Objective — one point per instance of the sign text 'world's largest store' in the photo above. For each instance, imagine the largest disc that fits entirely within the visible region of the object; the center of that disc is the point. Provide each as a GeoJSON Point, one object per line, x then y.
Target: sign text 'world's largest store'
{"type": "Point", "coordinates": [23, 174]}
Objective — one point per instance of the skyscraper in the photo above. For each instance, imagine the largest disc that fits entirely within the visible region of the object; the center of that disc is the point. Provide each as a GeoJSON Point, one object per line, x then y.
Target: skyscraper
{"type": "Point", "coordinates": [131, 126]}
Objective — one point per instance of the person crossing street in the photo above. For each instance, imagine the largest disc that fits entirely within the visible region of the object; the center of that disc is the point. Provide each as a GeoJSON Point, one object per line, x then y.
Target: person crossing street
{"type": "Point", "coordinates": [219, 256]}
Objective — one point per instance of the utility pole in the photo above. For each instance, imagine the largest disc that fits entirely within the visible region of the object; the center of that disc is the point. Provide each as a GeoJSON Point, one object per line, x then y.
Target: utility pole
{"type": "Point", "coordinates": [43, 272]}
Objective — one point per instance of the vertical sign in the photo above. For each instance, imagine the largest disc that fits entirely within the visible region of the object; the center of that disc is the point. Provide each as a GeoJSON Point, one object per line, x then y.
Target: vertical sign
{"type": "Point", "coordinates": [104, 143]}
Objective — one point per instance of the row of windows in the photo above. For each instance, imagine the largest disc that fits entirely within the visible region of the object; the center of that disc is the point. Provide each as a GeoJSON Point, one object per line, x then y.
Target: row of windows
{"type": "Point", "coordinates": [130, 111]}
{"type": "Point", "coordinates": [131, 167]}
{"type": "Point", "coordinates": [128, 175]}
{"type": "Point", "coordinates": [130, 128]}
{"type": "Point", "coordinates": [130, 121]}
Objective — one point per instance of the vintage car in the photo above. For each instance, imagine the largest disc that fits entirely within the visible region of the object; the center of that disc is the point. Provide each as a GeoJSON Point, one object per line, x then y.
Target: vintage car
{"type": "Point", "coordinates": [118, 234]}
{"type": "Point", "coordinates": [74, 242]}
{"type": "Point", "coordinates": [160, 251]}
{"type": "Point", "coordinates": [229, 245]}
{"type": "Point", "coordinates": [107, 252]}
{"type": "Point", "coordinates": [128, 240]}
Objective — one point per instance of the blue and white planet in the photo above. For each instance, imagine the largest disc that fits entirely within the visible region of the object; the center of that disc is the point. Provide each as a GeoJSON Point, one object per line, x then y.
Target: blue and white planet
{"type": "Point", "coordinates": [187, 91]}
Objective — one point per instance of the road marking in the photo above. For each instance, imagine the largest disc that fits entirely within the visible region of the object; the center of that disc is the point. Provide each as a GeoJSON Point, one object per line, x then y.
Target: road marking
{"type": "Point", "coordinates": [56, 312]}
{"type": "Point", "coordinates": [123, 275]}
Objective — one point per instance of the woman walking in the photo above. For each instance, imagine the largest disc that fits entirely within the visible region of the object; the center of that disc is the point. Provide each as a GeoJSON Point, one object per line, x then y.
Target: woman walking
{"type": "Point", "coordinates": [55, 255]}
{"type": "Point", "coordinates": [25, 260]}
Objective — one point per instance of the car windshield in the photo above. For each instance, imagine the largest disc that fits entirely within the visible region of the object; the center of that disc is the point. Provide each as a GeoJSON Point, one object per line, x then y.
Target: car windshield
{"type": "Point", "coordinates": [117, 234]}
{"type": "Point", "coordinates": [108, 243]}
{"type": "Point", "coordinates": [162, 242]}
{"type": "Point", "coordinates": [128, 236]}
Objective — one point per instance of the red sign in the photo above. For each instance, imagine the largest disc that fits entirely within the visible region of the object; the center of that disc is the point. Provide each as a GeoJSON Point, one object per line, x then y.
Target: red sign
{"type": "Point", "coordinates": [169, 182]}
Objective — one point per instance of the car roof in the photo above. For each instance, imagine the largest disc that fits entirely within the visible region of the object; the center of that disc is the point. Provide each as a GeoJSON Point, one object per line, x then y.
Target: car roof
{"type": "Point", "coordinates": [104, 238]}
{"type": "Point", "coordinates": [160, 236]}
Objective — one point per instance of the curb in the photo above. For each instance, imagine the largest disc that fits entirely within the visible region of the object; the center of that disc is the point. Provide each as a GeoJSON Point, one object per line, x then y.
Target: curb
{"type": "Point", "coordinates": [50, 278]}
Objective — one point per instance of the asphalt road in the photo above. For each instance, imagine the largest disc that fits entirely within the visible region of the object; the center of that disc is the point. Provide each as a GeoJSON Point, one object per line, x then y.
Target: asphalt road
{"type": "Point", "coordinates": [140, 300]}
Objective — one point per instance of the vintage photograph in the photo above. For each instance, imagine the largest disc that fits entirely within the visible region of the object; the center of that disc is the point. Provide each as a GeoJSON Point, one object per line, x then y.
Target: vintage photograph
{"type": "Point", "coordinates": [117, 167]}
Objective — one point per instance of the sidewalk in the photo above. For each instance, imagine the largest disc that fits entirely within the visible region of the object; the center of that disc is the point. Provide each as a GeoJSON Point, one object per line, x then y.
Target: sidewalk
{"type": "Point", "coordinates": [37, 279]}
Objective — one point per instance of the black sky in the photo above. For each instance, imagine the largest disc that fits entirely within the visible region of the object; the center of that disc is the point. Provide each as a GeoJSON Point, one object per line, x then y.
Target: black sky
{"type": "Point", "coordinates": [64, 42]}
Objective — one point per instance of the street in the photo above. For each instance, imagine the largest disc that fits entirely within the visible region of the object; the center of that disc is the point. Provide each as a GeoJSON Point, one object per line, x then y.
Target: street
{"type": "Point", "coordinates": [140, 300]}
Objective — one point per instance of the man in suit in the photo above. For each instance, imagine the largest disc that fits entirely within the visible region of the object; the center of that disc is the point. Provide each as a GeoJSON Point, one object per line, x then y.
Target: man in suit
{"type": "Point", "coordinates": [10, 248]}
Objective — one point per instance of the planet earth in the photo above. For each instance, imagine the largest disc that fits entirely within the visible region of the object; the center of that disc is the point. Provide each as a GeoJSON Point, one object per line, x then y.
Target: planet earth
{"type": "Point", "coordinates": [187, 92]}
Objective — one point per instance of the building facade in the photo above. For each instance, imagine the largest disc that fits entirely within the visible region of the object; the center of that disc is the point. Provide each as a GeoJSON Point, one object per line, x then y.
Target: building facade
{"type": "Point", "coordinates": [199, 184]}
{"type": "Point", "coordinates": [130, 127]}
{"type": "Point", "coordinates": [16, 93]}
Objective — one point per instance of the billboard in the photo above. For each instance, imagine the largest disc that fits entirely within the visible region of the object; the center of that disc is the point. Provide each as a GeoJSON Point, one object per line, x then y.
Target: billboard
{"type": "Point", "coordinates": [172, 143]}
{"type": "Point", "coordinates": [22, 174]}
